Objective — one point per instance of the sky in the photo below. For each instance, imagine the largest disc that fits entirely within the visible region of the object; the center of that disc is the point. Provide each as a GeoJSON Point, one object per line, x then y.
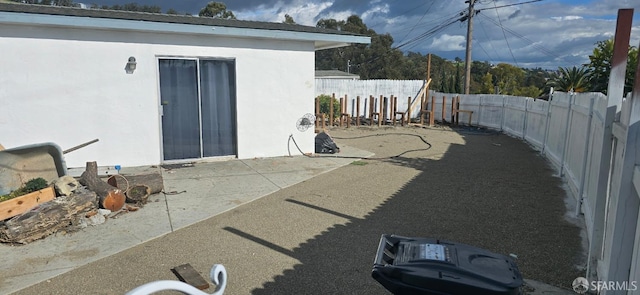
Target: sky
{"type": "Point", "coordinates": [525, 33]}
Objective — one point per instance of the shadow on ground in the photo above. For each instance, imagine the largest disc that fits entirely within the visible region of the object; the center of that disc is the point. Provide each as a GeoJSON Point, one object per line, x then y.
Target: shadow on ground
{"type": "Point", "coordinates": [492, 192]}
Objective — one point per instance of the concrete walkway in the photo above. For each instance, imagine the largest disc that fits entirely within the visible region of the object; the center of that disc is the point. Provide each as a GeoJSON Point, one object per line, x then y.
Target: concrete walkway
{"type": "Point", "coordinates": [193, 193]}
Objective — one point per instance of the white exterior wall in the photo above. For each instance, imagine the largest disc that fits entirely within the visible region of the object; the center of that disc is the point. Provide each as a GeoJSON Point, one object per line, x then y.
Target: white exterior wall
{"type": "Point", "coordinates": [69, 86]}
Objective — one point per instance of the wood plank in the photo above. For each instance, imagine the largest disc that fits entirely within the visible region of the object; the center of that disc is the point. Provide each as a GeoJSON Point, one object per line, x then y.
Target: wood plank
{"type": "Point", "coordinates": [189, 275]}
{"type": "Point", "coordinates": [19, 205]}
{"type": "Point", "coordinates": [424, 91]}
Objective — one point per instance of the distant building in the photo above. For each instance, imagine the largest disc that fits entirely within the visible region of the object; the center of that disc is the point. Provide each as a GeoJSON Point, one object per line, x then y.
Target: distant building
{"type": "Point", "coordinates": [335, 74]}
{"type": "Point", "coordinates": [82, 5]}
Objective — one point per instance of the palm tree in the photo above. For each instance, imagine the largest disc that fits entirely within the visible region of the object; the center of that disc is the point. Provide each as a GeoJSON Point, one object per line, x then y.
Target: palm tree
{"type": "Point", "coordinates": [571, 79]}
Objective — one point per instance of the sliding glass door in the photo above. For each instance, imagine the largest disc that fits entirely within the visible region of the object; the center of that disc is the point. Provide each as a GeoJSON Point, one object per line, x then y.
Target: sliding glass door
{"type": "Point", "coordinates": [198, 98]}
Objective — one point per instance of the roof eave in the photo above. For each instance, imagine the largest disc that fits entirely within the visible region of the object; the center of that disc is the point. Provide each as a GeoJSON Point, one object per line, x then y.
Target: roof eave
{"type": "Point", "coordinates": [323, 45]}
{"type": "Point", "coordinates": [321, 41]}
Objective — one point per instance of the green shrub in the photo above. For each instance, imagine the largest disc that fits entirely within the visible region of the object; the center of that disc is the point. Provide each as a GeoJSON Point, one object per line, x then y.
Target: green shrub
{"type": "Point", "coordinates": [32, 185]}
{"type": "Point", "coordinates": [324, 106]}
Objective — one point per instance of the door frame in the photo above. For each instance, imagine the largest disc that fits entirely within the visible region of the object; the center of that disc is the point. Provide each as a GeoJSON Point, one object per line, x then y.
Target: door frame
{"type": "Point", "coordinates": [197, 59]}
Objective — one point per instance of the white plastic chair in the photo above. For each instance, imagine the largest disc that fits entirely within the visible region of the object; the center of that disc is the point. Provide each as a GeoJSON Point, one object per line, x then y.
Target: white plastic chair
{"type": "Point", "coordinates": [218, 276]}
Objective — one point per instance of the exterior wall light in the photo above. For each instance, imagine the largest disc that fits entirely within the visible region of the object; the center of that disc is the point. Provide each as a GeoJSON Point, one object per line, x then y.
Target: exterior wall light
{"type": "Point", "coordinates": [131, 65]}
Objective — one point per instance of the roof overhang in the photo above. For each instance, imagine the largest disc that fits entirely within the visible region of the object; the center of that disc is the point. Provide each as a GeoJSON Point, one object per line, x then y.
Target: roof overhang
{"type": "Point", "coordinates": [321, 40]}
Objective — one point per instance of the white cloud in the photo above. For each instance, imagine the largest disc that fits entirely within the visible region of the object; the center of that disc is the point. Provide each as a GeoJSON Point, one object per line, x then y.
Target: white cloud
{"type": "Point", "coordinates": [303, 12]}
{"type": "Point", "coordinates": [447, 42]}
{"type": "Point", "coordinates": [566, 18]}
{"type": "Point", "coordinates": [377, 10]}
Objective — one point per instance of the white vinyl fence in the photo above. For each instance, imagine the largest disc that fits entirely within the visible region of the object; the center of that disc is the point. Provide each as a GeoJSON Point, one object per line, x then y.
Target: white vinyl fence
{"type": "Point", "coordinates": [352, 89]}
{"type": "Point", "coordinates": [577, 132]}
{"type": "Point", "coordinates": [565, 129]}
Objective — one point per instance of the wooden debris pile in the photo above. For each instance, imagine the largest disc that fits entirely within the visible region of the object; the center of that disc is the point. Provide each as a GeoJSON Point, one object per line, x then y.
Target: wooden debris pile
{"type": "Point", "coordinates": [74, 204]}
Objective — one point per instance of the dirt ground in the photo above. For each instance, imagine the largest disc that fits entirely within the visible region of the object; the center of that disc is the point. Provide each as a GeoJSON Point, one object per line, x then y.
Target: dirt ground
{"type": "Point", "coordinates": [320, 236]}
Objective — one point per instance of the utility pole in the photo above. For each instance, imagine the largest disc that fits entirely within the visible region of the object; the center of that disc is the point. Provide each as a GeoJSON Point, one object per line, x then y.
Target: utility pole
{"type": "Point", "coordinates": [467, 61]}
{"type": "Point", "coordinates": [469, 17]}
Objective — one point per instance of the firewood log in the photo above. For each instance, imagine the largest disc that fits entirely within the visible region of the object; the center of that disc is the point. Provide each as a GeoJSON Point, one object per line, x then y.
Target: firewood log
{"type": "Point", "coordinates": [110, 197]}
{"type": "Point", "coordinates": [152, 180]}
{"type": "Point", "coordinates": [62, 213]}
{"type": "Point", "coordinates": [138, 194]}
{"type": "Point", "coordinates": [138, 187]}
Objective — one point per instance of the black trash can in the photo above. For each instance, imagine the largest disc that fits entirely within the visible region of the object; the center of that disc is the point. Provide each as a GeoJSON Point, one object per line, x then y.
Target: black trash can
{"type": "Point", "coordinates": [428, 266]}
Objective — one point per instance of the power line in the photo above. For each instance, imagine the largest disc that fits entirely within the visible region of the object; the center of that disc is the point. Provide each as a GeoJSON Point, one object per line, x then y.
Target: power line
{"type": "Point", "coordinates": [542, 49]}
{"type": "Point", "coordinates": [419, 21]}
{"type": "Point", "coordinates": [490, 43]}
{"type": "Point", "coordinates": [469, 19]}
{"type": "Point", "coordinates": [483, 50]}
{"type": "Point", "coordinates": [428, 33]}
{"type": "Point", "coordinates": [505, 35]}
{"type": "Point", "coordinates": [513, 4]}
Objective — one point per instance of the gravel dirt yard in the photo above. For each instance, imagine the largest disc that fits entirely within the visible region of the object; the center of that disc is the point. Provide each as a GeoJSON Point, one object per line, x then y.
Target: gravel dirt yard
{"type": "Point", "coordinates": [320, 236]}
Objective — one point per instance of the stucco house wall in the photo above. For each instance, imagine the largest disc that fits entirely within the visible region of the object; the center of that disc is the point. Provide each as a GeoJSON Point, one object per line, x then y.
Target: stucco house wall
{"type": "Point", "coordinates": [69, 85]}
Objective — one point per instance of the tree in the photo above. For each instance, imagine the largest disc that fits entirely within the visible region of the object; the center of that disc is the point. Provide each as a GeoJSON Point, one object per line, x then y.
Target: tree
{"type": "Point", "coordinates": [375, 61]}
{"type": "Point", "coordinates": [478, 71]}
{"type": "Point", "coordinates": [600, 66]}
{"type": "Point", "coordinates": [288, 19]}
{"type": "Point", "coordinates": [443, 85]}
{"type": "Point", "coordinates": [528, 91]}
{"type": "Point", "coordinates": [150, 9]}
{"type": "Point", "coordinates": [458, 83]}
{"type": "Point", "coordinates": [216, 10]}
{"type": "Point", "coordinates": [571, 79]}
{"type": "Point", "coordinates": [507, 78]}
{"type": "Point", "coordinates": [487, 84]}
{"type": "Point", "coordinates": [535, 77]}
{"type": "Point", "coordinates": [68, 3]}
{"type": "Point", "coordinates": [172, 11]}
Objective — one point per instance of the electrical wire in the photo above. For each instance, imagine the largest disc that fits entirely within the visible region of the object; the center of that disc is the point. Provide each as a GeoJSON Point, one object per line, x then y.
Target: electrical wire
{"type": "Point", "coordinates": [540, 48]}
{"type": "Point", "coordinates": [367, 158]}
{"type": "Point", "coordinates": [505, 35]}
{"type": "Point", "coordinates": [483, 50]}
{"type": "Point", "coordinates": [484, 30]}
{"type": "Point", "coordinates": [507, 5]}
{"type": "Point", "coordinates": [430, 32]}
{"type": "Point", "coordinates": [419, 21]}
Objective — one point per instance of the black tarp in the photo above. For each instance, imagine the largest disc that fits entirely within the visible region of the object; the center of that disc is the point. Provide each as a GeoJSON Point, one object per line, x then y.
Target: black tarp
{"type": "Point", "coordinates": [325, 144]}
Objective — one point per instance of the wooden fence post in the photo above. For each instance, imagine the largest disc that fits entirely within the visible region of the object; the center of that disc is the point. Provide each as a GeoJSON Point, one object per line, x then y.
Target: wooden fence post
{"type": "Point", "coordinates": [432, 112]}
{"type": "Point", "coordinates": [444, 108]}
{"type": "Point", "coordinates": [333, 96]}
{"type": "Point", "coordinates": [341, 108]}
{"type": "Point", "coordinates": [409, 111]}
{"type": "Point", "coordinates": [380, 114]}
{"type": "Point", "coordinates": [358, 110]}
